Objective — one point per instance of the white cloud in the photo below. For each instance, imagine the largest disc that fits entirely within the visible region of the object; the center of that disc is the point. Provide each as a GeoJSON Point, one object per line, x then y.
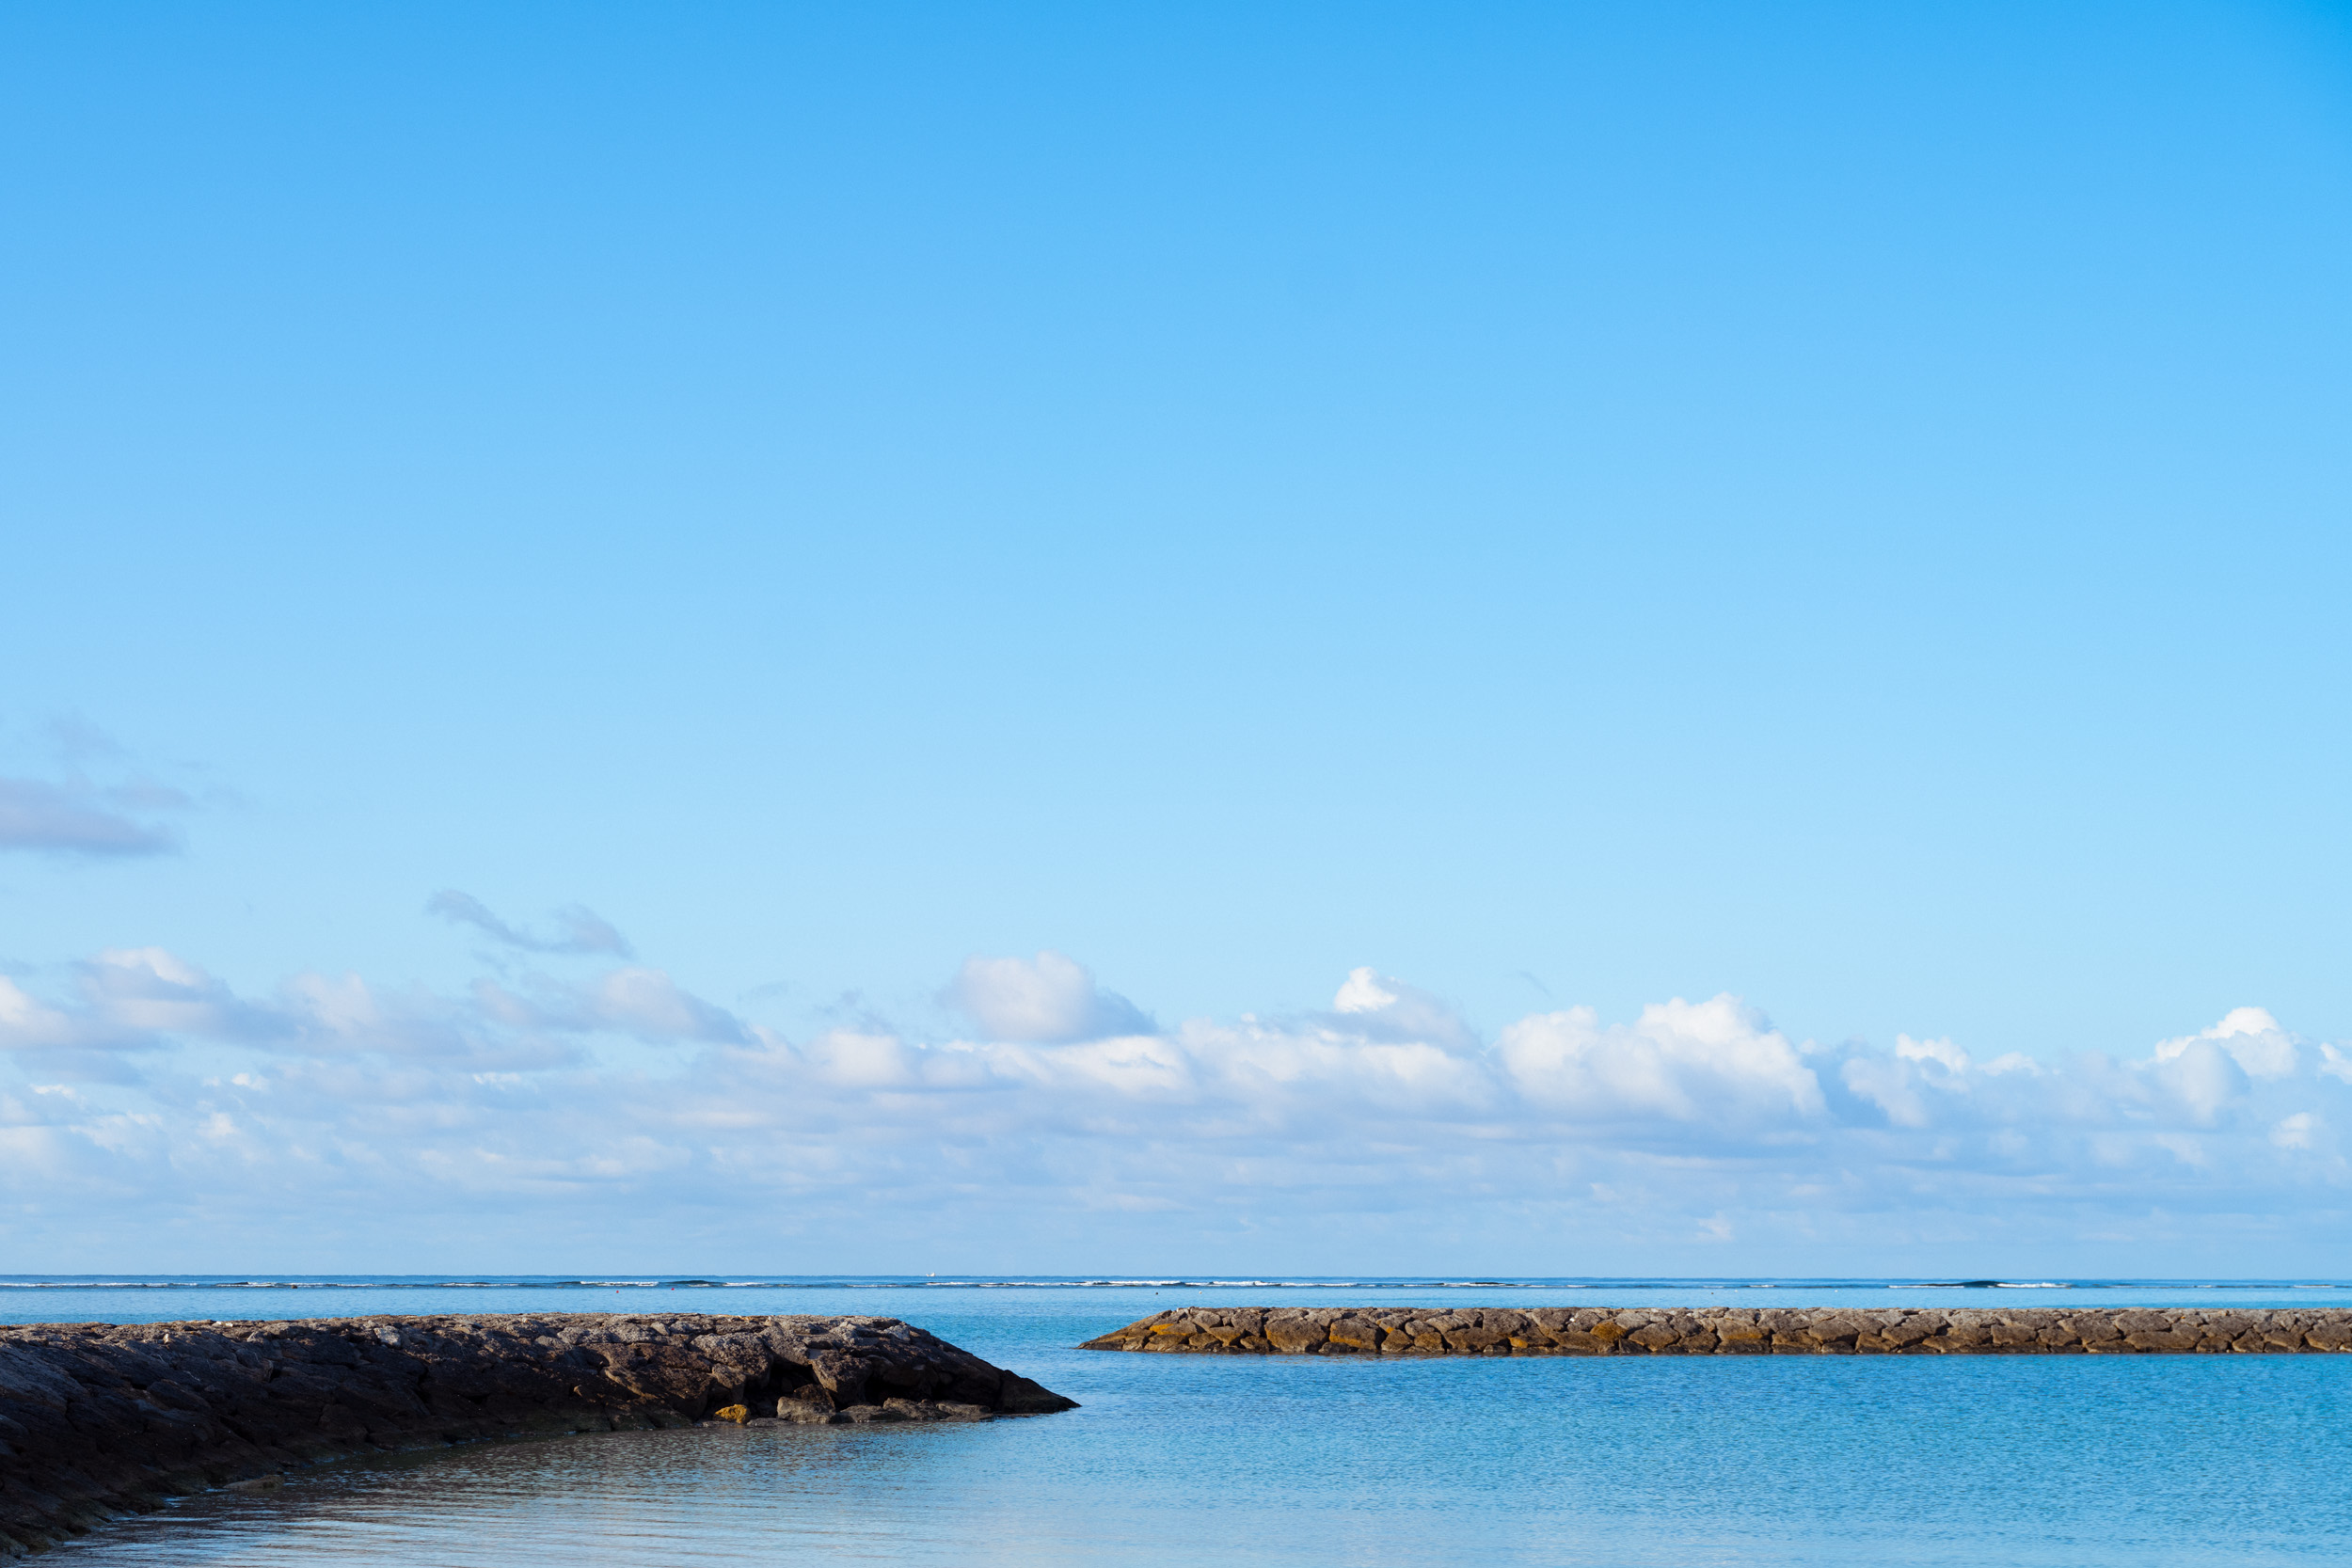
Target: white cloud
{"type": "Point", "coordinates": [2200, 1075]}
{"type": "Point", "coordinates": [2250, 1036]}
{"type": "Point", "coordinates": [1718, 1063]}
{"type": "Point", "coordinates": [1951, 1058]}
{"type": "Point", "coordinates": [2294, 1131]}
{"type": "Point", "coordinates": [1893, 1086]}
{"type": "Point", "coordinates": [1377, 1005]}
{"type": "Point", "coordinates": [128, 999]}
{"type": "Point", "coordinates": [1041, 1001]}
{"type": "Point", "coordinates": [1363, 993]}
{"type": "Point", "coordinates": [1694, 1122]}
{"type": "Point", "coordinates": [28, 1024]}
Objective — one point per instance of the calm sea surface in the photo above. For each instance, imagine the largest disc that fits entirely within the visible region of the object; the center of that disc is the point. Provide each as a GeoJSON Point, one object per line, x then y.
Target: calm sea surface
{"type": "Point", "coordinates": [2074, 1461]}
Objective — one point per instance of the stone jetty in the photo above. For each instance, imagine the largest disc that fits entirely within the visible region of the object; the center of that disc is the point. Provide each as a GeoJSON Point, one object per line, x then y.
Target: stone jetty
{"type": "Point", "coordinates": [1730, 1331]}
{"type": "Point", "coordinates": [103, 1418]}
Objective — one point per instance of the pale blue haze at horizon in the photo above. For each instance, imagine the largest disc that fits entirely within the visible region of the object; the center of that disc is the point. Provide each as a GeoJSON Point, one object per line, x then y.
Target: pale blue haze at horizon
{"type": "Point", "coordinates": [1558, 505]}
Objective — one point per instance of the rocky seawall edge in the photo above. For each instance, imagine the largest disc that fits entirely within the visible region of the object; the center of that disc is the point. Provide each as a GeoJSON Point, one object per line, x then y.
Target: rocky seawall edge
{"type": "Point", "coordinates": [1729, 1331]}
{"type": "Point", "coordinates": [98, 1419]}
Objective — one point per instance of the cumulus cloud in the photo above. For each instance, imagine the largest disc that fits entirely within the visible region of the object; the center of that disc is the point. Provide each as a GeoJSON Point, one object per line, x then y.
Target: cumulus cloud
{"type": "Point", "coordinates": [577, 928]}
{"type": "Point", "coordinates": [1563, 1137]}
{"type": "Point", "coordinates": [1718, 1065]}
{"type": "Point", "coordinates": [1373, 1004]}
{"type": "Point", "coordinates": [128, 999]}
{"type": "Point", "coordinates": [1045, 1000]}
{"type": "Point", "coordinates": [2250, 1035]}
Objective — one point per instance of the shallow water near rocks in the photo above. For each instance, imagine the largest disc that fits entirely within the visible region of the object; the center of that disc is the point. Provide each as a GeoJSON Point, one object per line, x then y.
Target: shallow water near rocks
{"type": "Point", "coordinates": [1182, 1460]}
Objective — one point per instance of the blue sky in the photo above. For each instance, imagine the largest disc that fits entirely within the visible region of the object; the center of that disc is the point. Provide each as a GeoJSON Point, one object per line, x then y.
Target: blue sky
{"type": "Point", "coordinates": [1564, 506]}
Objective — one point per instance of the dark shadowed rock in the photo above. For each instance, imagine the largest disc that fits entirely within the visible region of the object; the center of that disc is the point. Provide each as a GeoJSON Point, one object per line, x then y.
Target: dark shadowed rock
{"type": "Point", "coordinates": [99, 1419]}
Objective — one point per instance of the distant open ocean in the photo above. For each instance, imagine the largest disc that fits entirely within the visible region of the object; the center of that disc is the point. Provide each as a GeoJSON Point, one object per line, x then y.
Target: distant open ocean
{"type": "Point", "coordinates": [2074, 1461]}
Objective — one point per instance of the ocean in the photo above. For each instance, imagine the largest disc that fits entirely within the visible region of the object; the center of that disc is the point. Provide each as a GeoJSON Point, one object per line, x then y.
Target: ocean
{"type": "Point", "coordinates": [2073, 1461]}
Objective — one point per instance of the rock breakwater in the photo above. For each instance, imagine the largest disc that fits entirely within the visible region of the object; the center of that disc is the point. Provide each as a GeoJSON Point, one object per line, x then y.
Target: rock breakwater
{"type": "Point", "coordinates": [102, 1419]}
{"type": "Point", "coordinates": [1729, 1331]}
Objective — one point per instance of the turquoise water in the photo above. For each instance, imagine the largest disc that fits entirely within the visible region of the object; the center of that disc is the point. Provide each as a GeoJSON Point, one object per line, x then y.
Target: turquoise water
{"type": "Point", "coordinates": [1181, 1460]}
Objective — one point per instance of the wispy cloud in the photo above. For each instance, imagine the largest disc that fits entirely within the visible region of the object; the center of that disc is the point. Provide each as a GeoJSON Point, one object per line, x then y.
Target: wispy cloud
{"type": "Point", "coordinates": [579, 929]}
{"type": "Point", "coordinates": [79, 819]}
{"type": "Point", "coordinates": [75, 812]}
